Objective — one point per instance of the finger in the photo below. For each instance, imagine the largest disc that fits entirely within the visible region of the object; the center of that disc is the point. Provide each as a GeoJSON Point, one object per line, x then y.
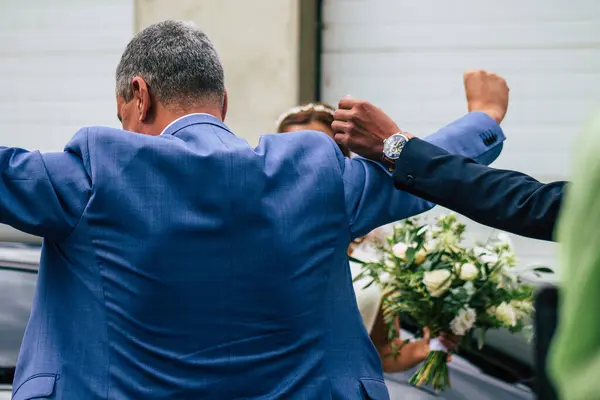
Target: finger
{"type": "Point", "coordinates": [426, 334]}
{"type": "Point", "coordinates": [341, 139]}
{"type": "Point", "coordinates": [341, 126]}
{"type": "Point", "coordinates": [449, 357]}
{"type": "Point", "coordinates": [468, 74]}
{"type": "Point", "coordinates": [342, 114]}
{"type": "Point", "coordinates": [449, 344]}
{"type": "Point", "coordinates": [473, 73]}
{"type": "Point", "coordinates": [397, 324]}
{"type": "Point", "coordinates": [348, 102]}
{"type": "Point", "coordinates": [451, 336]}
{"type": "Point", "coordinates": [454, 338]}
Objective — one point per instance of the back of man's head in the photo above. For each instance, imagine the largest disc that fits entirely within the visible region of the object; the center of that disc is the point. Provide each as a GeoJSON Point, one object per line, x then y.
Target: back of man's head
{"type": "Point", "coordinates": [178, 67]}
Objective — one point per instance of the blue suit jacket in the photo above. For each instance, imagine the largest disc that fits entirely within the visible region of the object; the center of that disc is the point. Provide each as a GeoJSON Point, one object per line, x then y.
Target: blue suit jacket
{"type": "Point", "coordinates": [191, 266]}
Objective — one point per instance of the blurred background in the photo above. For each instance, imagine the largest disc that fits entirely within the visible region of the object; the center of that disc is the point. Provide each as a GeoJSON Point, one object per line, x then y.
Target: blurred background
{"type": "Point", "coordinates": [57, 63]}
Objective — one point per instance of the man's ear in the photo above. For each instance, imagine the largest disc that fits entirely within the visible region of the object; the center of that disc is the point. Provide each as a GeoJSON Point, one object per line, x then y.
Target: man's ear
{"type": "Point", "coordinates": [142, 98]}
{"type": "Point", "coordinates": [224, 109]}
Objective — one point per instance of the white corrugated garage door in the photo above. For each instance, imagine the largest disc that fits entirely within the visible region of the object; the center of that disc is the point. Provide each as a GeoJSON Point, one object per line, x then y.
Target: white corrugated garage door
{"type": "Point", "coordinates": [57, 64]}
{"type": "Point", "coordinates": [408, 57]}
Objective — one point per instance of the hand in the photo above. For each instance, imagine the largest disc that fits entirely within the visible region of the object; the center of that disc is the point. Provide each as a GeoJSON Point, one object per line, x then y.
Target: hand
{"type": "Point", "coordinates": [486, 92]}
{"type": "Point", "coordinates": [362, 127]}
{"type": "Point", "coordinates": [450, 342]}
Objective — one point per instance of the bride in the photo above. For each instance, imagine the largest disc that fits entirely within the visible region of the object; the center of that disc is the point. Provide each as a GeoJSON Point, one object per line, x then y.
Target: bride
{"type": "Point", "coordinates": [318, 117]}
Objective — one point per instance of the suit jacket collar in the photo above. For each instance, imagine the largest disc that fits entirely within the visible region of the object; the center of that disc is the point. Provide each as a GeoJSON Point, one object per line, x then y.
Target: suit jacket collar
{"type": "Point", "coordinates": [193, 119]}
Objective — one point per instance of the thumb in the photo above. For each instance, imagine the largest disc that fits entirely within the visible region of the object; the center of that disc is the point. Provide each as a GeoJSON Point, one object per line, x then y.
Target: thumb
{"type": "Point", "coordinates": [426, 334]}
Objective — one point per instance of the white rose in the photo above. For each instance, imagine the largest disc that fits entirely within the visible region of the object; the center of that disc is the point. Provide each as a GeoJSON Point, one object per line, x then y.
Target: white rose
{"type": "Point", "coordinates": [399, 250]}
{"type": "Point", "coordinates": [420, 256]}
{"type": "Point", "coordinates": [489, 258]}
{"type": "Point", "coordinates": [469, 288]}
{"type": "Point", "coordinates": [437, 281]}
{"type": "Point", "coordinates": [468, 272]}
{"type": "Point", "coordinates": [486, 255]}
{"type": "Point", "coordinates": [385, 277]}
{"type": "Point", "coordinates": [463, 322]}
{"type": "Point", "coordinates": [522, 308]}
{"type": "Point", "coordinates": [478, 250]}
{"type": "Point", "coordinates": [503, 238]}
{"type": "Point", "coordinates": [507, 315]}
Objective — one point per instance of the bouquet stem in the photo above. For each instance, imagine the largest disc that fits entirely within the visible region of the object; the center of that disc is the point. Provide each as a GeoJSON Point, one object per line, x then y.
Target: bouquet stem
{"type": "Point", "coordinates": [434, 372]}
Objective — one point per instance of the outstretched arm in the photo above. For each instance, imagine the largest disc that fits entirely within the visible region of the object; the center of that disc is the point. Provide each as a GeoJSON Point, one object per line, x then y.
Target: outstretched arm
{"type": "Point", "coordinates": [506, 200]}
{"type": "Point", "coordinates": [362, 128]}
{"type": "Point", "coordinates": [42, 194]}
{"type": "Point", "coordinates": [372, 200]}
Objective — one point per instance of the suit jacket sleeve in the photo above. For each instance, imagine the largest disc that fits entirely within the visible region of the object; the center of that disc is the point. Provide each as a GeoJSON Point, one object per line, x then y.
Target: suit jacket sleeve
{"type": "Point", "coordinates": [372, 201]}
{"type": "Point", "coordinates": [506, 200]}
{"type": "Point", "coordinates": [42, 194]}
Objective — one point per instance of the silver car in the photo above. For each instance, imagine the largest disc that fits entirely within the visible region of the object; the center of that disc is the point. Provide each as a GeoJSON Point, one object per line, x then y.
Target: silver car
{"type": "Point", "coordinates": [502, 370]}
{"type": "Point", "coordinates": [18, 275]}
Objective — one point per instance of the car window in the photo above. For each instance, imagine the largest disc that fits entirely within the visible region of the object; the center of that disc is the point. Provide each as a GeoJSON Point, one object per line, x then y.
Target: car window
{"type": "Point", "coordinates": [17, 288]}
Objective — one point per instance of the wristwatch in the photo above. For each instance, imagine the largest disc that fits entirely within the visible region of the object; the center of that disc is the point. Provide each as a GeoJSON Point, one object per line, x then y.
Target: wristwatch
{"type": "Point", "coordinates": [392, 147]}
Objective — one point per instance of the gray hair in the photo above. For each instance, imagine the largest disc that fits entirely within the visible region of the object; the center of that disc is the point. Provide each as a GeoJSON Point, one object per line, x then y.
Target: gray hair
{"type": "Point", "coordinates": [177, 61]}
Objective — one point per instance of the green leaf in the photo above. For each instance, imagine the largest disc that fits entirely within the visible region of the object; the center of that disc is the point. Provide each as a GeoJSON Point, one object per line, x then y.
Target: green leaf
{"type": "Point", "coordinates": [481, 339]}
{"type": "Point", "coordinates": [543, 270]}
{"type": "Point", "coordinates": [356, 260]}
{"type": "Point", "coordinates": [410, 254]}
{"type": "Point", "coordinates": [368, 285]}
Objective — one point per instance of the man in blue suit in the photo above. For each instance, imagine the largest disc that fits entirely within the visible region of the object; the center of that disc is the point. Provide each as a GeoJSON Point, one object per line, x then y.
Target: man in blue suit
{"type": "Point", "coordinates": [180, 263]}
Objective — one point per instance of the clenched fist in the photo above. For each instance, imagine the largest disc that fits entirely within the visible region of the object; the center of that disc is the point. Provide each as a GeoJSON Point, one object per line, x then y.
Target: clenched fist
{"type": "Point", "coordinates": [362, 127]}
{"type": "Point", "coordinates": [486, 92]}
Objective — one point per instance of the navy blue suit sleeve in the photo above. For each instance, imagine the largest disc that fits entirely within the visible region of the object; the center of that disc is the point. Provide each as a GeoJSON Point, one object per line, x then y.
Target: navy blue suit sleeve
{"type": "Point", "coordinates": [506, 200]}
{"type": "Point", "coordinates": [42, 194]}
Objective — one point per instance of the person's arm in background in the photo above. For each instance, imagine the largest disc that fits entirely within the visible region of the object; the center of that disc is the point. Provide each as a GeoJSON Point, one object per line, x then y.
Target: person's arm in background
{"type": "Point", "coordinates": [506, 200]}
{"type": "Point", "coordinates": [575, 354]}
{"type": "Point", "coordinates": [411, 353]}
{"type": "Point", "coordinates": [371, 198]}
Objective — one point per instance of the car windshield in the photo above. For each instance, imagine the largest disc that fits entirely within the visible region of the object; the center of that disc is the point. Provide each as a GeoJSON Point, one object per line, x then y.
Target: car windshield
{"type": "Point", "coordinates": [17, 288]}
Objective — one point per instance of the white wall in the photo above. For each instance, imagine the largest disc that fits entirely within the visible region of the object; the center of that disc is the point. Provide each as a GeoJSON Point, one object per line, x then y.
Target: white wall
{"type": "Point", "coordinates": [408, 57]}
{"type": "Point", "coordinates": [258, 44]}
{"type": "Point", "coordinates": [57, 64]}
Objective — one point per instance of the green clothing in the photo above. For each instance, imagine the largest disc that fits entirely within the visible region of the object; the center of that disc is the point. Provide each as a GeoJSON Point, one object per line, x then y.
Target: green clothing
{"type": "Point", "coordinates": [575, 355]}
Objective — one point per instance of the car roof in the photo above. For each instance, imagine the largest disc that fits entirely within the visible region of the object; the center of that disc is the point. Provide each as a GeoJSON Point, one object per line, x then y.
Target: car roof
{"type": "Point", "coordinates": [11, 235]}
{"type": "Point", "coordinates": [20, 256]}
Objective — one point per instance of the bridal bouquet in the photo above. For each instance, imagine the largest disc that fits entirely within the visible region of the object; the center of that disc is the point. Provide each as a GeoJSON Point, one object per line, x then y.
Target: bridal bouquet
{"type": "Point", "coordinates": [425, 272]}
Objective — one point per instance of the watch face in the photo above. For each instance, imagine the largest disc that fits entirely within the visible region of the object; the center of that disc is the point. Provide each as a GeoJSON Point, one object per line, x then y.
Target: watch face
{"type": "Point", "coordinates": [392, 146]}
